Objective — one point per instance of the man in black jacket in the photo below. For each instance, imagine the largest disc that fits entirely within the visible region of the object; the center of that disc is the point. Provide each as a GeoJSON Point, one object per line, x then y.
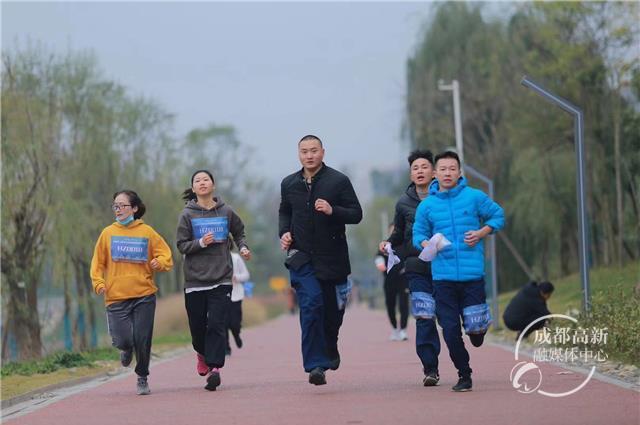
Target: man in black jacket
{"type": "Point", "coordinates": [529, 304]}
{"type": "Point", "coordinates": [418, 272]}
{"type": "Point", "coordinates": [316, 204]}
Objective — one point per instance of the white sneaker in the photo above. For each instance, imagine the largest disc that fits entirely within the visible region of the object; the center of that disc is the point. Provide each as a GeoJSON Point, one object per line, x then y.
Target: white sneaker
{"type": "Point", "coordinates": [402, 335]}
{"type": "Point", "coordinates": [395, 335]}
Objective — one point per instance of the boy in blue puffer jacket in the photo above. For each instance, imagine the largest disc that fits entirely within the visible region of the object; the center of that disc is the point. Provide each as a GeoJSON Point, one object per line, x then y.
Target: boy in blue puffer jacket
{"type": "Point", "coordinates": [465, 216]}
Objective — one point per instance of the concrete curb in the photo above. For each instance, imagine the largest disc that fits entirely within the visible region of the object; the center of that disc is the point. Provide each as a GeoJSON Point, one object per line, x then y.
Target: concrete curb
{"type": "Point", "coordinates": [574, 368]}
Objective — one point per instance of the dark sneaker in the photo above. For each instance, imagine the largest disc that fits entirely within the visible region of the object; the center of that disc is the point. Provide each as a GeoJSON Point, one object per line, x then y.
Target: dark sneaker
{"type": "Point", "coordinates": [238, 340]}
{"type": "Point", "coordinates": [143, 386]}
{"type": "Point", "coordinates": [335, 363]}
{"type": "Point", "coordinates": [464, 384]}
{"type": "Point", "coordinates": [125, 357]}
{"type": "Point", "coordinates": [476, 339]}
{"type": "Point", "coordinates": [213, 380]}
{"type": "Point", "coordinates": [431, 379]}
{"type": "Point", "coordinates": [316, 377]}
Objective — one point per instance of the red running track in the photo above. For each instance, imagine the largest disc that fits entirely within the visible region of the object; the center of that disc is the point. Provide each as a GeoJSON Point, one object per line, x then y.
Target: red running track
{"type": "Point", "coordinates": [379, 382]}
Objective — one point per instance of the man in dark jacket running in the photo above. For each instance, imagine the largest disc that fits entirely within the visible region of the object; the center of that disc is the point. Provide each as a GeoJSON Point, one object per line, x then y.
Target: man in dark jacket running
{"type": "Point", "coordinates": [529, 304]}
{"type": "Point", "coordinates": [316, 204]}
{"type": "Point", "coordinates": [418, 272]}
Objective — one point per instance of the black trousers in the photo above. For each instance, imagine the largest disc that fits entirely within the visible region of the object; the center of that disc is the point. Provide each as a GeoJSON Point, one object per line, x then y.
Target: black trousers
{"type": "Point", "coordinates": [207, 312]}
{"type": "Point", "coordinates": [234, 320]}
{"type": "Point", "coordinates": [130, 325]}
{"type": "Point", "coordinates": [396, 291]}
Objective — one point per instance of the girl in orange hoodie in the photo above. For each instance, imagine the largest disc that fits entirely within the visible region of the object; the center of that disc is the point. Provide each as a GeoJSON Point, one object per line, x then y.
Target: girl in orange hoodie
{"type": "Point", "coordinates": [126, 255]}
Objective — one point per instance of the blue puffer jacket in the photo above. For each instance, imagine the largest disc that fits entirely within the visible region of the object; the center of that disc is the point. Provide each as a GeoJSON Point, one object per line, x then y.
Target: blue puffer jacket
{"type": "Point", "coordinates": [453, 213]}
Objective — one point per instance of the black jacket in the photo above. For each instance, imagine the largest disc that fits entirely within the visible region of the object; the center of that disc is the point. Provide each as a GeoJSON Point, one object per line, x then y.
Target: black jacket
{"type": "Point", "coordinates": [322, 237]}
{"type": "Point", "coordinates": [527, 306]}
{"type": "Point", "coordinates": [402, 235]}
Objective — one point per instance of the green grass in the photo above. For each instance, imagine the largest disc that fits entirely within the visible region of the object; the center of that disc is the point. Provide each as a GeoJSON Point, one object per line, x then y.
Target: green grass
{"type": "Point", "coordinates": [58, 360]}
{"type": "Point", "coordinates": [567, 296]}
{"type": "Point", "coordinates": [615, 306]}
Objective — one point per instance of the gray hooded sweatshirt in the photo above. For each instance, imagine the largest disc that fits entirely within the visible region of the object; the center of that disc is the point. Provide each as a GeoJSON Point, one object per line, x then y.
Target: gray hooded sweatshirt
{"type": "Point", "coordinates": [211, 265]}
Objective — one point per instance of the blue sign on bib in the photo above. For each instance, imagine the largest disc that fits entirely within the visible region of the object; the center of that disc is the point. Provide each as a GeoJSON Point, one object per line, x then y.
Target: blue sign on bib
{"type": "Point", "coordinates": [476, 318]}
{"type": "Point", "coordinates": [129, 249]}
{"type": "Point", "coordinates": [423, 305]}
{"type": "Point", "coordinates": [218, 226]}
{"type": "Point", "coordinates": [342, 294]}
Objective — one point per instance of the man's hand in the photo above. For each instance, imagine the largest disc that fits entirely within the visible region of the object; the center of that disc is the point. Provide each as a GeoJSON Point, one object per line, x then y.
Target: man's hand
{"type": "Point", "coordinates": [285, 241]}
{"type": "Point", "coordinates": [472, 237]}
{"type": "Point", "coordinates": [245, 253]}
{"type": "Point", "coordinates": [100, 291]}
{"type": "Point", "coordinates": [323, 206]}
{"type": "Point", "coordinates": [155, 264]}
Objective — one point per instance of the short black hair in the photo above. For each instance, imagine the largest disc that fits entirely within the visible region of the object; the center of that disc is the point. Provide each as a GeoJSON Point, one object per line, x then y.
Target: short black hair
{"type": "Point", "coordinates": [419, 153]}
{"type": "Point", "coordinates": [134, 200]}
{"type": "Point", "coordinates": [310, 137]}
{"type": "Point", "coordinates": [546, 287]}
{"type": "Point", "coordinates": [448, 154]}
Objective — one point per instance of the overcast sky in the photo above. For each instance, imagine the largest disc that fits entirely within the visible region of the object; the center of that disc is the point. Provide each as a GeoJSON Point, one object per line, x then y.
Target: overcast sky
{"type": "Point", "coordinates": [275, 71]}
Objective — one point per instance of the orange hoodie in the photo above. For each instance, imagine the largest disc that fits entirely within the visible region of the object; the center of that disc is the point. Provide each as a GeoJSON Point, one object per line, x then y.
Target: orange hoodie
{"type": "Point", "coordinates": [121, 261]}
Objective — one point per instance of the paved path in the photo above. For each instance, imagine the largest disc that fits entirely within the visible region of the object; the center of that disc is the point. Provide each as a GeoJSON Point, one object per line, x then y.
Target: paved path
{"type": "Point", "coordinates": [379, 382]}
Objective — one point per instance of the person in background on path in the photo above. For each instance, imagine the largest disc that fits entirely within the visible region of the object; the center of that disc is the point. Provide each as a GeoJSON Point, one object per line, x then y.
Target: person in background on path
{"type": "Point", "coordinates": [528, 305]}
{"type": "Point", "coordinates": [416, 271]}
{"type": "Point", "coordinates": [234, 319]}
{"type": "Point", "coordinates": [316, 204]}
{"type": "Point", "coordinates": [395, 292]}
{"type": "Point", "coordinates": [464, 216]}
{"type": "Point", "coordinates": [202, 236]}
{"type": "Point", "coordinates": [126, 255]}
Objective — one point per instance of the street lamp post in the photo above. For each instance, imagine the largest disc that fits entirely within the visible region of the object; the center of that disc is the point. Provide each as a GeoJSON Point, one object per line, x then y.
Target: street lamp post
{"type": "Point", "coordinates": [580, 182]}
{"type": "Point", "coordinates": [454, 87]}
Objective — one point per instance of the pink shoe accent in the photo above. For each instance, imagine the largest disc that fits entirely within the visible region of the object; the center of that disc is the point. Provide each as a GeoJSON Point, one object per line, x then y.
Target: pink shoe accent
{"type": "Point", "coordinates": [201, 366]}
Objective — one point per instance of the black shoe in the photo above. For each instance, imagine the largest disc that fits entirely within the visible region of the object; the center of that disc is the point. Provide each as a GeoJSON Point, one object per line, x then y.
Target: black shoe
{"type": "Point", "coordinates": [125, 357]}
{"type": "Point", "coordinates": [464, 384]}
{"type": "Point", "coordinates": [213, 381]}
{"type": "Point", "coordinates": [227, 351]}
{"type": "Point", "coordinates": [476, 339]}
{"type": "Point", "coordinates": [335, 363]}
{"type": "Point", "coordinates": [316, 377]}
{"type": "Point", "coordinates": [431, 379]}
{"type": "Point", "coordinates": [238, 340]}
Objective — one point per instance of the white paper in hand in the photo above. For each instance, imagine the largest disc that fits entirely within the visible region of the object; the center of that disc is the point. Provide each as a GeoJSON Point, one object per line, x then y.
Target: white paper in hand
{"type": "Point", "coordinates": [392, 258]}
{"type": "Point", "coordinates": [437, 243]}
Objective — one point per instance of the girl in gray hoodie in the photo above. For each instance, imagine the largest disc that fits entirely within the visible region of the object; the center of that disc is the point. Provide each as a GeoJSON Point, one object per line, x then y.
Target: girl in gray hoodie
{"type": "Point", "coordinates": [203, 231]}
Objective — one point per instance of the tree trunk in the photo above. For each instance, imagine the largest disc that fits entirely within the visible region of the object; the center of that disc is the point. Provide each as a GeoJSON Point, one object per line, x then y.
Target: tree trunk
{"type": "Point", "coordinates": [80, 327]}
{"type": "Point", "coordinates": [618, 171]}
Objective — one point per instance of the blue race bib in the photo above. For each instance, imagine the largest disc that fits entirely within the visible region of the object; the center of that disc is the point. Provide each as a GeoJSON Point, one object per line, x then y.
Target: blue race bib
{"type": "Point", "coordinates": [218, 226]}
{"type": "Point", "coordinates": [477, 318]}
{"type": "Point", "coordinates": [129, 249]}
{"type": "Point", "coordinates": [423, 306]}
{"type": "Point", "coordinates": [342, 294]}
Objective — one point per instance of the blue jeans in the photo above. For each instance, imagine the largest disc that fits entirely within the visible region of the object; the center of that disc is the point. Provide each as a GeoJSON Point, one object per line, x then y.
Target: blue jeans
{"type": "Point", "coordinates": [320, 318]}
{"type": "Point", "coordinates": [451, 298]}
{"type": "Point", "coordinates": [427, 339]}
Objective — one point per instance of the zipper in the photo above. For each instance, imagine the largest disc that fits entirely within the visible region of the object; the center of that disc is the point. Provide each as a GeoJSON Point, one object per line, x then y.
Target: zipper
{"type": "Point", "coordinates": [455, 237]}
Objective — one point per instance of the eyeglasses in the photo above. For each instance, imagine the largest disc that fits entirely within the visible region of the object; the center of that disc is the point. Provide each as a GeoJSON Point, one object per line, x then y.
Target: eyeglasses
{"type": "Point", "coordinates": [118, 207]}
